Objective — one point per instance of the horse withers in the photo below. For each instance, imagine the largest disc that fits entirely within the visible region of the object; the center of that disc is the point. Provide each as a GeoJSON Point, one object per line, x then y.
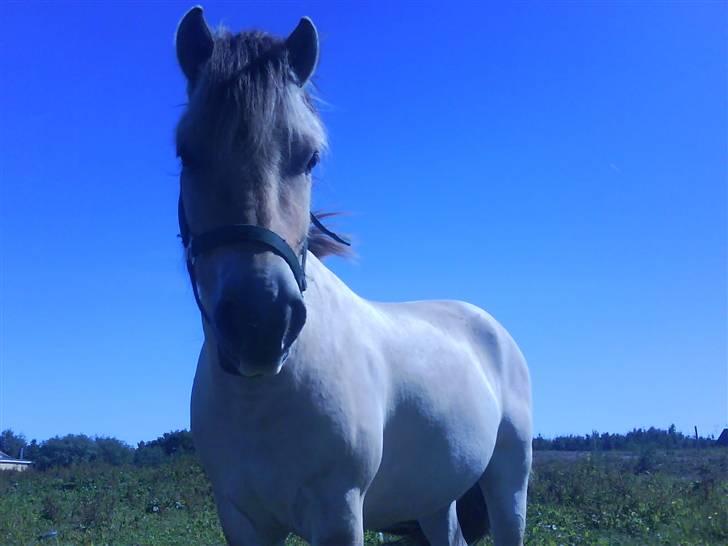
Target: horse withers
{"type": "Point", "coordinates": [315, 411]}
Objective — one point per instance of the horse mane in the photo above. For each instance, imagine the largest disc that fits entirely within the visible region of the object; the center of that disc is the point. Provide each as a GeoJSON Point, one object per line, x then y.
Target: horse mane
{"type": "Point", "coordinates": [321, 245]}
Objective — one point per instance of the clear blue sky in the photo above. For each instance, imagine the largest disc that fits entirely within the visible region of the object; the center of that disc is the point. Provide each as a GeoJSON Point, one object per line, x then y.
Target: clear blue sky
{"type": "Point", "coordinates": [562, 165]}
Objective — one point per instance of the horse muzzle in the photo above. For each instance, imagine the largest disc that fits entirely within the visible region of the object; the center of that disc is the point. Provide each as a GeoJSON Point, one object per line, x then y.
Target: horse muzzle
{"type": "Point", "coordinates": [258, 341]}
{"type": "Point", "coordinates": [256, 321]}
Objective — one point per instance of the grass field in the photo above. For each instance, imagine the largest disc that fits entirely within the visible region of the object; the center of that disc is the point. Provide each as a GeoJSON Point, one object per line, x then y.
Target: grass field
{"type": "Point", "coordinates": [653, 497]}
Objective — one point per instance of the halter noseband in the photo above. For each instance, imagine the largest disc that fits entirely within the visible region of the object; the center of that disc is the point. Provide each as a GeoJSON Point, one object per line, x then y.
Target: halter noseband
{"type": "Point", "coordinates": [236, 233]}
{"type": "Point", "coordinates": [197, 245]}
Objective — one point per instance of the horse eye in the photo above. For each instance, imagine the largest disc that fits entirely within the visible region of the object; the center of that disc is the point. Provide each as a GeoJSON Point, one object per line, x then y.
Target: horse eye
{"type": "Point", "coordinates": [312, 162]}
{"type": "Point", "coordinates": [186, 158]}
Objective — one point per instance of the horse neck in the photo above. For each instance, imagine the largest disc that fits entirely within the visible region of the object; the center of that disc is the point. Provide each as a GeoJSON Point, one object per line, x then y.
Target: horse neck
{"type": "Point", "coordinates": [328, 301]}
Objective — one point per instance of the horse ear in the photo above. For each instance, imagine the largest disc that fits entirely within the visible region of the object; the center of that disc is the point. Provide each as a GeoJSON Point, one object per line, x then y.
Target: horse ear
{"type": "Point", "coordinates": [193, 42]}
{"type": "Point", "coordinates": [302, 46]}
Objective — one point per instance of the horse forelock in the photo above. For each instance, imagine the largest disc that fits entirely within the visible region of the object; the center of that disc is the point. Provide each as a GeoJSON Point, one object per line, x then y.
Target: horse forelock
{"type": "Point", "coordinates": [245, 98]}
{"type": "Point", "coordinates": [246, 103]}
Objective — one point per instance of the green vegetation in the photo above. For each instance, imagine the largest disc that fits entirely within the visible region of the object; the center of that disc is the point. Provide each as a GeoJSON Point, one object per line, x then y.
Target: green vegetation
{"type": "Point", "coordinates": [649, 497]}
{"type": "Point", "coordinates": [157, 494]}
{"type": "Point", "coordinates": [98, 503]}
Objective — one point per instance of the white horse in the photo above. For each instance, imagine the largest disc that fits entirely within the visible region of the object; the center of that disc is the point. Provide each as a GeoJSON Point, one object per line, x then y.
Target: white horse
{"type": "Point", "coordinates": [315, 411]}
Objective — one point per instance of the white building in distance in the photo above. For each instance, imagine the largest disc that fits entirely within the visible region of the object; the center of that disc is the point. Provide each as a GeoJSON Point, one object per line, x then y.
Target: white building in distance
{"type": "Point", "coordinates": [8, 463]}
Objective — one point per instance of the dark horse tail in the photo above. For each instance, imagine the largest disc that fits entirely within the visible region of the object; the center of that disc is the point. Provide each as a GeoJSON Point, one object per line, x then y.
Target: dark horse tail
{"type": "Point", "coordinates": [472, 516]}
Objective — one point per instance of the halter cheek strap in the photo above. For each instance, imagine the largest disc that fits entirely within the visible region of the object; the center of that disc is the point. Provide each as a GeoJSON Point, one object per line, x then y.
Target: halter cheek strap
{"type": "Point", "coordinates": [208, 241]}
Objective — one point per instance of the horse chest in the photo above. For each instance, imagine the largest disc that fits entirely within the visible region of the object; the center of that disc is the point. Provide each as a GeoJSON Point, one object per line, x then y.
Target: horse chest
{"type": "Point", "coordinates": [262, 451]}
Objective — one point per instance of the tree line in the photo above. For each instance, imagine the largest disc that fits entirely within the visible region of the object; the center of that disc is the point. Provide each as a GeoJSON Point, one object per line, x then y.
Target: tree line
{"type": "Point", "coordinates": [635, 440]}
{"type": "Point", "coordinates": [72, 449]}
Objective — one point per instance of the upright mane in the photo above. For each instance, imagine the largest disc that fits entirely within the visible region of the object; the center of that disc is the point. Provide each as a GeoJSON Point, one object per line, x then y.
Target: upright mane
{"type": "Point", "coordinates": [242, 100]}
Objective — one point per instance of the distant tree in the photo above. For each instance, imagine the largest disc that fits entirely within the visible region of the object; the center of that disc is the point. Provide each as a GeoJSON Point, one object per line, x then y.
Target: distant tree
{"type": "Point", "coordinates": [32, 450]}
{"type": "Point", "coordinates": [113, 451]}
{"type": "Point", "coordinates": [594, 443]}
{"type": "Point", "coordinates": [11, 443]}
{"type": "Point", "coordinates": [67, 450]}
{"type": "Point", "coordinates": [637, 439]}
{"type": "Point", "coordinates": [673, 437]}
{"type": "Point", "coordinates": [175, 442]}
{"type": "Point", "coordinates": [169, 444]}
{"type": "Point", "coordinates": [149, 455]}
{"type": "Point", "coordinates": [541, 443]}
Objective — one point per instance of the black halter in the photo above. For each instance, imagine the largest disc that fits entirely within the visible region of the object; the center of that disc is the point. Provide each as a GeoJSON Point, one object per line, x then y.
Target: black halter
{"type": "Point", "coordinates": [197, 245]}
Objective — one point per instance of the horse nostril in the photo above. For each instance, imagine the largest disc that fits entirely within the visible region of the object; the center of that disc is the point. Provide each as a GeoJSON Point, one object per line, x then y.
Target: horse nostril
{"type": "Point", "coordinates": [297, 320]}
{"type": "Point", "coordinates": [227, 318]}
{"type": "Point", "coordinates": [261, 331]}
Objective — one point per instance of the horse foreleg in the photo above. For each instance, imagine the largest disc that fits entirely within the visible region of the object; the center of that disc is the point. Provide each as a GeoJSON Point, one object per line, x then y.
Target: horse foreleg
{"type": "Point", "coordinates": [336, 519]}
{"type": "Point", "coordinates": [239, 530]}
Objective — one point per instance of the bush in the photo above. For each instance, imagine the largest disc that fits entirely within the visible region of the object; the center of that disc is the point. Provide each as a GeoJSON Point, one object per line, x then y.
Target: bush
{"type": "Point", "coordinates": [67, 450]}
{"type": "Point", "coordinates": [149, 455]}
{"type": "Point", "coordinates": [647, 462]}
{"type": "Point", "coordinates": [114, 452]}
{"type": "Point", "coordinates": [172, 443]}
